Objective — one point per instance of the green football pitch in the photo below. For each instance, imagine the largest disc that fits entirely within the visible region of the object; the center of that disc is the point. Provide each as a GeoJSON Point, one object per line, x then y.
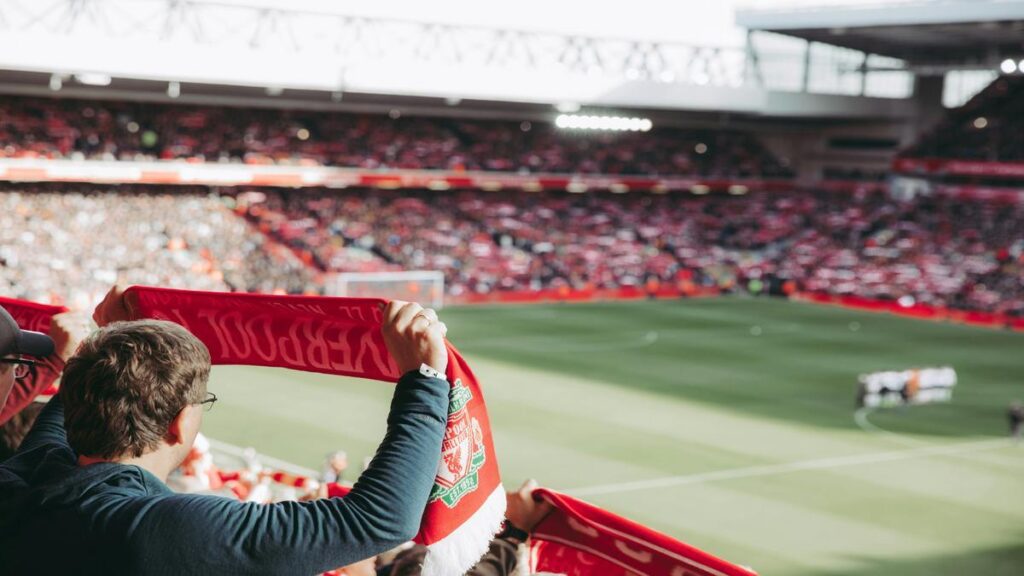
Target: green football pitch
{"type": "Point", "coordinates": [728, 423]}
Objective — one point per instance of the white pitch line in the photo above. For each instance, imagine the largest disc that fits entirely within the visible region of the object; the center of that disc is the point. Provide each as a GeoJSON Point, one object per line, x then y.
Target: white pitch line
{"type": "Point", "coordinates": [788, 467]}
{"type": "Point", "coordinates": [865, 424]}
{"type": "Point", "coordinates": [861, 418]}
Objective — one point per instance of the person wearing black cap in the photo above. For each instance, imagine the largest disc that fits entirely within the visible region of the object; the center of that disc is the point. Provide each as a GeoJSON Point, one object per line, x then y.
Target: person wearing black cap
{"type": "Point", "coordinates": [31, 361]}
{"type": "Point", "coordinates": [15, 344]}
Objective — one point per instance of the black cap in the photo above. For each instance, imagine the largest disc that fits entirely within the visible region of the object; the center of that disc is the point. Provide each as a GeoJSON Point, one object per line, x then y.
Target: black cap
{"type": "Point", "coordinates": [14, 340]}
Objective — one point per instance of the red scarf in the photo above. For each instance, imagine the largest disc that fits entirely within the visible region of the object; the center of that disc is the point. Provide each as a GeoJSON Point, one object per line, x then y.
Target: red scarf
{"type": "Point", "coordinates": [579, 539]}
{"type": "Point", "coordinates": [342, 336]}
{"type": "Point", "coordinates": [31, 315]}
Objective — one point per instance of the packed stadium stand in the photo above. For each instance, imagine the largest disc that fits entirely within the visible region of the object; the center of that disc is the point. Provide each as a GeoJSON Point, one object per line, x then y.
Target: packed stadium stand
{"type": "Point", "coordinates": [937, 251]}
{"type": "Point", "coordinates": [987, 128]}
{"type": "Point", "coordinates": [86, 241]}
{"type": "Point", "coordinates": [69, 128]}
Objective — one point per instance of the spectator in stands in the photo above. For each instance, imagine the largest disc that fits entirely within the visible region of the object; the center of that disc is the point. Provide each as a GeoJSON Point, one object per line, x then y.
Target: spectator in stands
{"type": "Point", "coordinates": [31, 362]}
{"type": "Point", "coordinates": [90, 475]}
{"type": "Point", "coordinates": [522, 514]}
{"type": "Point", "coordinates": [16, 343]}
{"type": "Point", "coordinates": [334, 468]}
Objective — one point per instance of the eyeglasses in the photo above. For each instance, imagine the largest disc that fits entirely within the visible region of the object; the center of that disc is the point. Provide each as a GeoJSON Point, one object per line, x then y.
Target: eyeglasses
{"type": "Point", "coordinates": [207, 404]}
{"type": "Point", "coordinates": [22, 366]}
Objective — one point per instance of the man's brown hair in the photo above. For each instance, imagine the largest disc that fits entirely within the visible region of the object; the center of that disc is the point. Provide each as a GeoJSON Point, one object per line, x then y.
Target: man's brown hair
{"type": "Point", "coordinates": [126, 384]}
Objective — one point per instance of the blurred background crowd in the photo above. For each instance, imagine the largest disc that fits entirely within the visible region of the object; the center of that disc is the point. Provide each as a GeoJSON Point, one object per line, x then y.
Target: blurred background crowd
{"type": "Point", "coordinates": [70, 244]}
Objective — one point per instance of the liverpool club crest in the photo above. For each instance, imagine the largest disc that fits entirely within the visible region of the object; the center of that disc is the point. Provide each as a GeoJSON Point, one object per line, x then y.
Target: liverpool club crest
{"type": "Point", "coordinates": [462, 450]}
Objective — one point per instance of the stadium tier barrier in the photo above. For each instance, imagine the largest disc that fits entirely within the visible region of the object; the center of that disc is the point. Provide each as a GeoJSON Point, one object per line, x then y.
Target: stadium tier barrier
{"type": "Point", "coordinates": [949, 167]}
{"type": "Point", "coordinates": [920, 311]}
{"type": "Point", "coordinates": [179, 172]}
{"type": "Point", "coordinates": [566, 294]}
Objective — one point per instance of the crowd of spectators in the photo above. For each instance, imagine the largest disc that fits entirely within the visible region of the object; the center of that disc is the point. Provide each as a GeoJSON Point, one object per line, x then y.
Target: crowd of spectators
{"type": "Point", "coordinates": [937, 251]}
{"type": "Point", "coordinates": [68, 128]}
{"type": "Point", "coordinates": [68, 247]}
{"type": "Point", "coordinates": [987, 128]}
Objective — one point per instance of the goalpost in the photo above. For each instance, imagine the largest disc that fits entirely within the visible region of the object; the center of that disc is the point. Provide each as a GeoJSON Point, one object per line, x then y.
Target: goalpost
{"type": "Point", "coordinates": [423, 286]}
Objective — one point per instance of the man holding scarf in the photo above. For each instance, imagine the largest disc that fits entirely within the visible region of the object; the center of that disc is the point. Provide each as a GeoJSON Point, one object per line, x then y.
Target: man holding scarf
{"type": "Point", "coordinates": [90, 475]}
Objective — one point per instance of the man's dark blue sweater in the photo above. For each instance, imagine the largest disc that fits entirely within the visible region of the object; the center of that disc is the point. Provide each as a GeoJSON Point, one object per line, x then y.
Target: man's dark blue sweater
{"type": "Point", "coordinates": [57, 517]}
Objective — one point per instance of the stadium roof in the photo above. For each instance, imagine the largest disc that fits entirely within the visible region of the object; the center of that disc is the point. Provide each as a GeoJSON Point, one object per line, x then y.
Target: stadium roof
{"type": "Point", "coordinates": [309, 55]}
{"type": "Point", "coordinates": [921, 32]}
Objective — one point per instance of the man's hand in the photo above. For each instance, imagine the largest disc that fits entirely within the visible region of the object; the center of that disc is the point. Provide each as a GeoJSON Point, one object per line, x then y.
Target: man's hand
{"type": "Point", "coordinates": [522, 511]}
{"type": "Point", "coordinates": [414, 336]}
{"type": "Point", "coordinates": [68, 330]}
{"type": "Point", "coordinates": [116, 306]}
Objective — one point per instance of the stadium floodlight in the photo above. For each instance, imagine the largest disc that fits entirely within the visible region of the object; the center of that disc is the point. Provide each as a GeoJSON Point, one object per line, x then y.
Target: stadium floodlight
{"type": "Point", "coordinates": [612, 123]}
{"type": "Point", "coordinates": [567, 107]}
{"type": "Point", "coordinates": [700, 148]}
{"type": "Point", "coordinates": [700, 189]}
{"type": "Point", "coordinates": [173, 89]}
{"type": "Point", "coordinates": [56, 82]}
{"type": "Point", "coordinates": [1020, 66]}
{"type": "Point", "coordinates": [1008, 66]}
{"type": "Point", "coordinates": [980, 122]}
{"type": "Point", "coordinates": [738, 189]}
{"type": "Point", "coordinates": [93, 79]}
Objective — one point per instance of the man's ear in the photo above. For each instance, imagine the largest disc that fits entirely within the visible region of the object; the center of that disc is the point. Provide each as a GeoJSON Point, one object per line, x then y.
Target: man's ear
{"type": "Point", "coordinates": [176, 431]}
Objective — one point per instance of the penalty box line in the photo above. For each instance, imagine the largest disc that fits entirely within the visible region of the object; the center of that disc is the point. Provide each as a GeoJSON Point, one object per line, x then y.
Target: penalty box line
{"type": "Point", "coordinates": [789, 467]}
